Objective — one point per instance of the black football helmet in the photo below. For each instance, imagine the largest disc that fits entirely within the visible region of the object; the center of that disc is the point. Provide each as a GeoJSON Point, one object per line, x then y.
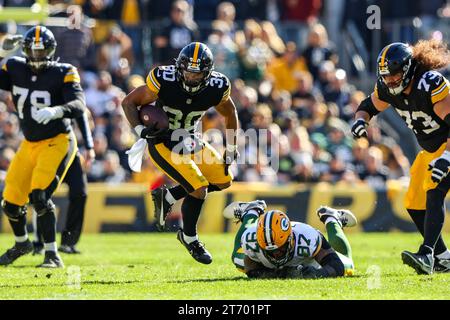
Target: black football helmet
{"type": "Point", "coordinates": [39, 47]}
{"type": "Point", "coordinates": [195, 58]}
{"type": "Point", "coordinates": [396, 59]}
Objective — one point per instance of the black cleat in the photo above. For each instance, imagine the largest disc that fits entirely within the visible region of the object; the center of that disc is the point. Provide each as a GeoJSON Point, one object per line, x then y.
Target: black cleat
{"type": "Point", "coordinates": [51, 260]}
{"type": "Point", "coordinates": [422, 262]}
{"type": "Point", "coordinates": [65, 248]}
{"type": "Point", "coordinates": [196, 249]}
{"type": "Point", "coordinates": [19, 249]}
{"type": "Point", "coordinates": [162, 207]}
{"type": "Point", "coordinates": [38, 248]}
{"type": "Point", "coordinates": [441, 265]}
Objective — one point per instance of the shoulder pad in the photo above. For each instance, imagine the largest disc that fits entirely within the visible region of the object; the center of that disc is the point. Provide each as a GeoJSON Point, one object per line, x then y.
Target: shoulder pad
{"type": "Point", "coordinates": [308, 239]}
{"type": "Point", "coordinates": [222, 83]}
{"type": "Point", "coordinates": [434, 83]}
{"type": "Point", "coordinates": [13, 61]}
{"type": "Point", "coordinates": [159, 75]}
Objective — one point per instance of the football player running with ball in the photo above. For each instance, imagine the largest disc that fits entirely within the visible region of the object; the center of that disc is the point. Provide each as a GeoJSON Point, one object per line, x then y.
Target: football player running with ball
{"type": "Point", "coordinates": [409, 82]}
{"type": "Point", "coordinates": [269, 245]}
{"type": "Point", "coordinates": [45, 94]}
{"type": "Point", "coordinates": [185, 91]}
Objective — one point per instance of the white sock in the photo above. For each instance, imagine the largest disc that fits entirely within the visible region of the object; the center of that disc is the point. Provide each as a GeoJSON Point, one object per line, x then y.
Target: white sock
{"type": "Point", "coordinates": [252, 212]}
{"type": "Point", "coordinates": [331, 219]}
{"type": "Point", "coordinates": [50, 246]}
{"type": "Point", "coordinates": [444, 255]}
{"type": "Point", "coordinates": [21, 238]}
{"type": "Point", "coordinates": [189, 239]}
{"type": "Point", "coordinates": [169, 197]}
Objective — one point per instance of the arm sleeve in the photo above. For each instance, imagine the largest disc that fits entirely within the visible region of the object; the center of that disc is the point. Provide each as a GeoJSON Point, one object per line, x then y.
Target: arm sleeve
{"type": "Point", "coordinates": [440, 90]}
{"type": "Point", "coordinates": [83, 124]}
{"type": "Point", "coordinates": [75, 104]}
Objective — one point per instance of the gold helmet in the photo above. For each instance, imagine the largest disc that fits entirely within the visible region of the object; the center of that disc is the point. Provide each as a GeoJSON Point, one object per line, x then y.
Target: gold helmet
{"type": "Point", "coordinates": [274, 236]}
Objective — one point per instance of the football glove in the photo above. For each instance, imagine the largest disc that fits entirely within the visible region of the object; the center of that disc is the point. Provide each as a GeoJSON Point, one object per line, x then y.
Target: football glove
{"type": "Point", "coordinates": [230, 154]}
{"type": "Point", "coordinates": [151, 132]}
{"type": "Point", "coordinates": [439, 167]}
{"type": "Point", "coordinates": [45, 115]}
{"type": "Point", "coordinates": [359, 128]}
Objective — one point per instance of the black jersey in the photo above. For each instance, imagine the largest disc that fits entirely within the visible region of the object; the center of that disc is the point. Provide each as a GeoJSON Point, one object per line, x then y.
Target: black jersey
{"type": "Point", "coordinates": [183, 109]}
{"type": "Point", "coordinates": [53, 86]}
{"type": "Point", "coordinates": [416, 108]}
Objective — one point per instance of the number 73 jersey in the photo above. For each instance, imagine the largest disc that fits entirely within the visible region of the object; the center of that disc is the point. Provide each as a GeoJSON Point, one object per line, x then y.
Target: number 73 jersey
{"type": "Point", "coordinates": [183, 109]}
{"type": "Point", "coordinates": [53, 86]}
{"type": "Point", "coordinates": [416, 108]}
{"type": "Point", "coordinates": [308, 242]}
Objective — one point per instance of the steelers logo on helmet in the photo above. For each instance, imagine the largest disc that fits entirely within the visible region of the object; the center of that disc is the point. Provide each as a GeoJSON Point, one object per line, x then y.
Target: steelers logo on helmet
{"type": "Point", "coordinates": [275, 238]}
{"type": "Point", "coordinates": [396, 67]}
{"type": "Point", "coordinates": [194, 66]}
{"type": "Point", "coordinates": [39, 47]}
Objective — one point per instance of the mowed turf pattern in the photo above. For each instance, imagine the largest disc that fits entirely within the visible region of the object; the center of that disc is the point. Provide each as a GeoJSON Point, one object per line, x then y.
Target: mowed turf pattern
{"type": "Point", "coordinates": [157, 267]}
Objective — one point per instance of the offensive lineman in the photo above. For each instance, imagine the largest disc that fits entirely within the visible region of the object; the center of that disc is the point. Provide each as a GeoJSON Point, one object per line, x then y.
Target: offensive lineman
{"type": "Point", "coordinates": [408, 81]}
{"type": "Point", "coordinates": [45, 94]}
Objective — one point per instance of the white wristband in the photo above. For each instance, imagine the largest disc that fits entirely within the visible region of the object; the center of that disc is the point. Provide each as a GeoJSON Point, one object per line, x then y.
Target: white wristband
{"type": "Point", "coordinates": [138, 129]}
{"type": "Point", "coordinates": [231, 147]}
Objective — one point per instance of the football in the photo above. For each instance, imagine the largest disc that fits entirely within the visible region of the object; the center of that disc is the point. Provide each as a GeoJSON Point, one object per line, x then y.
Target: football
{"type": "Point", "coordinates": [150, 114]}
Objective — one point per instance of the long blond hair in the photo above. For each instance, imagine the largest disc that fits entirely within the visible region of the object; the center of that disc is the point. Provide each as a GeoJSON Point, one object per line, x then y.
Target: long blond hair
{"type": "Point", "coordinates": [431, 54]}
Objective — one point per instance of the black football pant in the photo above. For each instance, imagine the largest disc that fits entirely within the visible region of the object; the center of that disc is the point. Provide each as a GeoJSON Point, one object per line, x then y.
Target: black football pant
{"type": "Point", "coordinates": [76, 180]}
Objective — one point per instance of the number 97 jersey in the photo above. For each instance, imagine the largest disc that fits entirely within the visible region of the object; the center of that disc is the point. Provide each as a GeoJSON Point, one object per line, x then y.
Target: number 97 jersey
{"type": "Point", "coordinates": [185, 110]}
{"type": "Point", "coordinates": [308, 242]}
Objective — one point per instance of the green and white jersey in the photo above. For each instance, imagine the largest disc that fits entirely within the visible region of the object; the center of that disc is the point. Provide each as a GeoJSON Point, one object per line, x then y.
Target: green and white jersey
{"type": "Point", "coordinates": [308, 242]}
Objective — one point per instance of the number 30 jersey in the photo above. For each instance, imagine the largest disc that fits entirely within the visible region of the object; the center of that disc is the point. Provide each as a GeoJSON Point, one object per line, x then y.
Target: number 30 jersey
{"type": "Point", "coordinates": [308, 242]}
{"type": "Point", "coordinates": [53, 86]}
{"type": "Point", "coordinates": [416, 108]}
{"type": "Point", "coordinates": [183, 109]}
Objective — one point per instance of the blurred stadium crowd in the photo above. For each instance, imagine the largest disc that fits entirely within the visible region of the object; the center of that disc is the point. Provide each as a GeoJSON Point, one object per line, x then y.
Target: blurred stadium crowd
{"type": "Point", "coordinates": [285, 71]}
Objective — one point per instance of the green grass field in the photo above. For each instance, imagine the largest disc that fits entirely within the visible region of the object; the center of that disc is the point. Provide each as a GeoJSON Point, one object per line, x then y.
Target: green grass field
{"type": "Point", "coordinates": [156, 266]}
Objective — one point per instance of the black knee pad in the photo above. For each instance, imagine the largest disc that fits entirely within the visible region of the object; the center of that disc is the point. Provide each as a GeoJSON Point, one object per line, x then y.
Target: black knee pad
{"type": "Point", "coordinates": [12, 211]}
{"type": "Point", "coordinates": [41, 202]}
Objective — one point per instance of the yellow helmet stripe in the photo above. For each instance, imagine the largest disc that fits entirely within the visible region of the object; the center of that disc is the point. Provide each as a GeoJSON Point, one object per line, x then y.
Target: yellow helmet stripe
{"type": "Point", "coordinates": [195, 57]}
{"type": "Point", "coordinates": [37, 34]}
{"type": "Point", "coordinates": [383, 56]}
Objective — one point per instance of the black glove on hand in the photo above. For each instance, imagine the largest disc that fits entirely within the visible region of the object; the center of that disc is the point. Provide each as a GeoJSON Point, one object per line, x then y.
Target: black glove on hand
{"type": "Point", "coordinates": [151, 132]}
{"type": "Point", "coordinates": [359, 128]}
{"type": "Point", "coordinates": [228, 158]}
{"type": "Point", "coordinates": [439, 167]}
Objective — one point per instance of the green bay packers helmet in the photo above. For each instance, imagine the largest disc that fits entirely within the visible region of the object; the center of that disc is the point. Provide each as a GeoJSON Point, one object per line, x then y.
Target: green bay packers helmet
{"type": "Point", "coordinates": [194, 66]}
{"type": "Point", "coordinates": [275, 238]}
{"type": "Point", "coordinates": [396, 59]}
{"type": "Point", "coordinates": [39, 47]}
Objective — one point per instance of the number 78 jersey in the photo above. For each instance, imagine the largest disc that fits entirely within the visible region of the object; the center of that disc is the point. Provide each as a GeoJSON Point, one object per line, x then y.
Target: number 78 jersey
{"type": "Point", "coordinates": [183, 109]}
{"type": "Point", "coordinates": [53, 86]}
{"type": "Point", "coordinates": [308, 242]}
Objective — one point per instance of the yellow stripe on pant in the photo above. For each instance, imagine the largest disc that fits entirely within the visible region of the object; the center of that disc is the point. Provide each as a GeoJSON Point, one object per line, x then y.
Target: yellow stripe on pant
{"type": "Point", "coordinates": [420, 182]}
{"type": "Point", "coordinates": [39, 165]}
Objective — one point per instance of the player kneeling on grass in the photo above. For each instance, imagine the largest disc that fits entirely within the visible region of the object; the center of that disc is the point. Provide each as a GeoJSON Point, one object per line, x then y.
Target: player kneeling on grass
{"type": "Point", "coordinates": [269, 245]}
